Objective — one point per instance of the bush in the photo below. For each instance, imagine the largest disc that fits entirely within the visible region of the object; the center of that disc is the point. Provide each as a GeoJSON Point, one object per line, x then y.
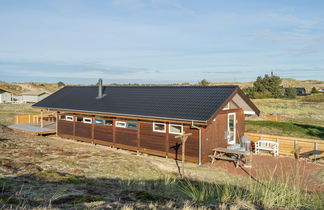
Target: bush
{"type": "Point", "coordinates": [291, 93]}
{"type": "Point", "coordinates": [314, 90]}
{"type": "Point", "coordinates": [60, 84]}
{"type": "Point", "coordinates": [203, 82]}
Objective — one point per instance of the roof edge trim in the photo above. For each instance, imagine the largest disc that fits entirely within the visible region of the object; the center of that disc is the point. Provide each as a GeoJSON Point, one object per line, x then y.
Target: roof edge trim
{"type": "Point", "coordinates": [130, 115]}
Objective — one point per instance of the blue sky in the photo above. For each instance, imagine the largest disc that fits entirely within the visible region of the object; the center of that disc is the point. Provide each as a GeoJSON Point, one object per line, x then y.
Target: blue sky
{"type": "Point", "coordinates": [160, 41]}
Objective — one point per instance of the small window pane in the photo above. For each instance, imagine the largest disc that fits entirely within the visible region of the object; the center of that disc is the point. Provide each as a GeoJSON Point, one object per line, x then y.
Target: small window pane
{"type": "Point", "coordinates": [176, 129]}
{"type": "Point", "coordinates": [120, 124]}
{"type": "Point", "coordinates": [62, 117]}
{"type": "Point", "coordinates": [87, 120]}
{"type": "Point", "coordinates": [132, 125]}
{"type": "Point", "coordinates": [79, 119]}
{"type": "Point", "coordinates": [159, 127]}
{"type": "Point", "coordinates": [69, 118]}
{"type": "Point", "coordinates": [109, 122]}
{"type": "Point", "coordinates": [99, 121]}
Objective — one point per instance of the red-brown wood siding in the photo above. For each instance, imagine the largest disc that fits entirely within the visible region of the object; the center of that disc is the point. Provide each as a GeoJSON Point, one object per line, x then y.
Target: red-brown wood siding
{"type": "Point", "coordinates": [126, 136]}
{"type": "Point", "coordinates": [152, 140]}
{"type": "Point", "coordinates": [65, 127]}
{"type": "Point", "coordinates": [103, 132]}
{"type": "Point", "coordinates": [83, 130]}
{"type": "Point", "coordinates": [192, 144]}
{"type": "Point", "coordinates": [213, 135]}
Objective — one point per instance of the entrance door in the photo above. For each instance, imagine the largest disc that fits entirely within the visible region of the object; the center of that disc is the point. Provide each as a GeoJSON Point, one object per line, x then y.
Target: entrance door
{"type": "Point", "coordinates": [231, 128]}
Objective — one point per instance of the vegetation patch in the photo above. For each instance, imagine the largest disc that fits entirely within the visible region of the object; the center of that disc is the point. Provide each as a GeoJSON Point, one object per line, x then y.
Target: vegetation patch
{"type": "Point", "coordinates": [314, 98]}
{"type": "Point", "coordinates": [75, 180]}
{"type": "Point", "coordinates": [264, 194]}
{"type": "Point", "coordinates": [9, 201]}
{"type": "Point", "coordinates": [88, 199]}
{"type": "Point", "coordinates": [285, 129]}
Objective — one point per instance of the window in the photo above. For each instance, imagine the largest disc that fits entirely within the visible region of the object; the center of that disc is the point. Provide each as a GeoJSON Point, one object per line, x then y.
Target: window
{"type": "Point", "coordinates": [79, 119]}
{"type": "Point", "coordinates": [120, 124]}
{"type": "Point", "coordinates": [132, 125]}
{"type": "Point", "coordinates": [62, 117]}
{"type": "Point", "coordinates": [176, 129]}
{"type": "Point", "coordinates": [98, 121]}
{"type": "Point", "coordinates": [87, 120]}
{"type": "Point", "coordinates": [159, 127]}
{"type": "Point", "coordinates": [108, 122]}
{"type": "Point", "coordinates": [231, 128]}
{"type": "Point", "coordinates": [69, 118]}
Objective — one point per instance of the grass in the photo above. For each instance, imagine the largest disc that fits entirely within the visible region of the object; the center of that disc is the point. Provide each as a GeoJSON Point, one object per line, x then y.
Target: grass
{"type": "Point", "coordinates": [270, 193]}
{"type": "Point", "coordinates": [9, 111]}
{"type": "Point", "coordinates": [293, 110]}
{"type": "Point", "coordinates": [314, 98]}
{"type": "Point", "coordinates": [285, 129]}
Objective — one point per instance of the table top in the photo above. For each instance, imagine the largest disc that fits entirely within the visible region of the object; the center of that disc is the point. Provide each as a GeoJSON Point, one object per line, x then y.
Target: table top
{"type": "Point", "coordinates": [231, 151]}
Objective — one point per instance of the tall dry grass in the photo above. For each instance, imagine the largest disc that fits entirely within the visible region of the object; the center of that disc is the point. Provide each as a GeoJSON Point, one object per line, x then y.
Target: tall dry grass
{"type": "Point", "coordinates": [273, 192]}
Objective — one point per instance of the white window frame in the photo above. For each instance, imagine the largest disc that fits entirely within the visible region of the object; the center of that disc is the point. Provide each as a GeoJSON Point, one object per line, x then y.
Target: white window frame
{"type": "Point", "coordinates": [159, 123]}
{"type": "Point", "coordinates": [228, 129]}
{"type": "Point", "coordinates": [69, 118]}
{"type": "Point", "coordinates": [60, 118]}
{"type": "Point", "coordinates": [87, 118]}
{"type": "Point", "coordinates": [172, 124]}
{"type": "Point", "coordinates": [121, 126]}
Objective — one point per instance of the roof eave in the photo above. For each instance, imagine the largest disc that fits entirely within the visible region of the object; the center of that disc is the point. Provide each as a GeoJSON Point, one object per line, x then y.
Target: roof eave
{"type": "Point", "coordinates": [128, 115]}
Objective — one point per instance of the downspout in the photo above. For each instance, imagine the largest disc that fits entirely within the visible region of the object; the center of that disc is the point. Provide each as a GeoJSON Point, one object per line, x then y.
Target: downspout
{"type": "Point", "coordinates": [199, 154]}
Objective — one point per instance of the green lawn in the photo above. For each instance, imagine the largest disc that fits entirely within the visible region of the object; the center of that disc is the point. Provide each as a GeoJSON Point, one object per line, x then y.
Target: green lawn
{"type": "Point", "coordinates": [285, 129]}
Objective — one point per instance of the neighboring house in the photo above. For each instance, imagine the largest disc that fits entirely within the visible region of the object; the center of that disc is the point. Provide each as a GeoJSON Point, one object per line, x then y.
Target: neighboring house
{"type": "Point", "coordinates": [7, 96]}
{"type": "Point", "coordinates": [299, 91]}
{"type": "Point", "coordinates": [33, 97]}
{"type": "Point", "coordinates": [320, 90]}
{"type": "Point", "coordinates": [147, 118]}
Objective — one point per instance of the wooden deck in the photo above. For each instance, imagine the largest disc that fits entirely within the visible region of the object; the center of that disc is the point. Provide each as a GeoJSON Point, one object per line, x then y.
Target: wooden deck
{"type": "Point", "coordinates": [35, 129]}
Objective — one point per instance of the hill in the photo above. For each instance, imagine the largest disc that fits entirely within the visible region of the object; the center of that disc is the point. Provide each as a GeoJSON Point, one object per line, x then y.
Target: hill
{"type": "Point", "coordinates": [30, 86]}
{"type": "Point", "coordinates": [52, 87]}
{"type": "Point", "coordinates": [285, 82]}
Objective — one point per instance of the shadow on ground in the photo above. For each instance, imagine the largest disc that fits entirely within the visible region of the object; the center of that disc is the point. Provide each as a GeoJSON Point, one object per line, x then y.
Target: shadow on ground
{"type": "Point", "coordinates": [312, 130]}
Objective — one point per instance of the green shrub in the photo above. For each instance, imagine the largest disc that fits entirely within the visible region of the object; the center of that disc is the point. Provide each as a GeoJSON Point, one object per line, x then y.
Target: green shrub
{"type": "Point", "coordinates": [291, 93]}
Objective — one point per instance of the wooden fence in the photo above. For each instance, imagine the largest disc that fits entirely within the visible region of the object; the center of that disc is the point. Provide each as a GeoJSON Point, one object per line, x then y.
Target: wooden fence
{"type": "Point", "coordinates": [308, 147]}
{"type": "Point", "coordinates": [275, 118]}
{"type": "Point", "coordinates": [33, 118]}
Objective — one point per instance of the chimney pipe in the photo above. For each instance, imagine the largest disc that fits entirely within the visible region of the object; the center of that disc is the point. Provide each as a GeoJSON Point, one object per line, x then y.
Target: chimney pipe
{"type": "Point", "coordinates": [100, 90]}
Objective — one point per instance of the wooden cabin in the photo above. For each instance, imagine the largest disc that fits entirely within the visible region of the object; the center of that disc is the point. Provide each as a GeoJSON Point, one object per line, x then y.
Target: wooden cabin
{"type": "Point", "coordinates": [147, 118]}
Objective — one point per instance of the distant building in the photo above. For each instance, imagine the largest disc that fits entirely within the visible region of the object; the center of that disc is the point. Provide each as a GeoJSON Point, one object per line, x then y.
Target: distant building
{"type": "Point", "coordinates": [7, 96]}
{"type": "Point", "coordinates": [33, 97]}
{"type": "Point", "coordinates": [320, 90]}
{"type": "Point", "coordinates": [299, 91]}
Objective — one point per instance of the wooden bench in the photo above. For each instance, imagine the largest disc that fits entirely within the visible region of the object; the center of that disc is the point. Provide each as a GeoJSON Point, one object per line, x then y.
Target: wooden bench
{"type": "Point", "coordinates": [268, 146]}
{"type": "Point", "coordinates": [237, 156]}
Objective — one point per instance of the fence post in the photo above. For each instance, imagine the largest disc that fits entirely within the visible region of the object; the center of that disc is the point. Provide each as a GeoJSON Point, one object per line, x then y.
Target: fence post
{"type": "Point", "coordinates": [17, 119]}
{"type": "Point", "coordinates": [29, 118]}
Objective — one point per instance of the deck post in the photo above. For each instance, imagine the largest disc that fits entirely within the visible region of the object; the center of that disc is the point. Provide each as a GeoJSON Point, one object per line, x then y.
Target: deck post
{"type": "Point", "coordinates": [42, 123]}
{"type": "Point", "coordinates": [167, 140]}
{"type": "Point", "coordinates": [138, 136]}
{"type": "Point", "coordinates": [56, 123]}
{"type": "Point", "coordinates": [29, 118]}
{"type": "Point", "coordinates": [184, 138]}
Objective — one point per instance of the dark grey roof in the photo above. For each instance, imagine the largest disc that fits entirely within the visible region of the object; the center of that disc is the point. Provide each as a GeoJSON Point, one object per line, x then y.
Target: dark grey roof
{"type": "Point", "coordinates": [194, 103]}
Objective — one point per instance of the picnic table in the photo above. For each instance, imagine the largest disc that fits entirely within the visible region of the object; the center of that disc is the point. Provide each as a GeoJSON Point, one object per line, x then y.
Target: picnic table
{"type": "Point", "coordinates": [236, 156]}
